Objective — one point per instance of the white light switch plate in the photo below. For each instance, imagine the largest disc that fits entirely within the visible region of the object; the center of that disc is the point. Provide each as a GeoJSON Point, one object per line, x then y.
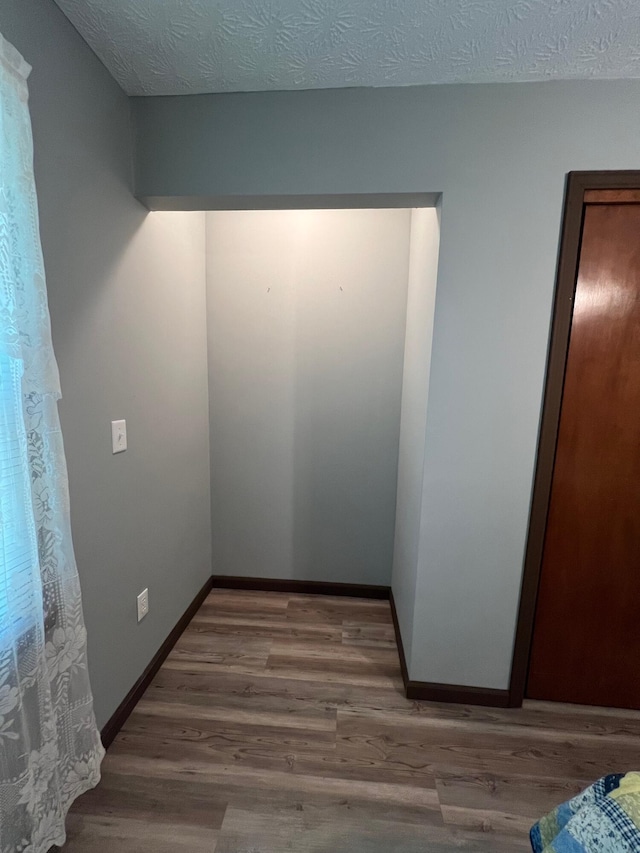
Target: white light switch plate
{"type": "Point", "coordinates": [119, 436]}
{"type": "Point", "coordinates": [143, 604]}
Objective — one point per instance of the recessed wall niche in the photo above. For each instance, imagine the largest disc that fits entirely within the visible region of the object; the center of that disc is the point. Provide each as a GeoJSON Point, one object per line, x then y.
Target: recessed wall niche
{"type": "Point", "coordinates": [317, 385]}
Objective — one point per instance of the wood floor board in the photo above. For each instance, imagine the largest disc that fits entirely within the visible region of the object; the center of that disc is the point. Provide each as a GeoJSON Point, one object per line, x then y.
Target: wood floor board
{"type": "Point", "coordinates": [233, 737]}
{"type": "Point", "coordinates": [279, 723]}
{"type": "Point", "coordinates": [100, 834]}
{"type": "Point", "coordinates": [301, 779]}
{"type": "Point", "coordinates": [278, 713]}
{"type": "Point", "coordinates": [247, 830]}
{"type": "Point", "coordinates": [224, 646]}
{"type": "Point", "coordinates": [269, 756]}
{"type": "Point", "coordinates": [329, 652]}
{"type": "Point", "coordinates": [359, 812]}
{"type": "Point", "coordinates": [375, 636]}
{"type": "Point", "coordinates": [144, 797]}
{"type": "Point", "coordinates": [566, 720]}
{"type": "Point", "coordinates": [313, 830]}
{"type": "Point", "coordinates": [271, 629]}
{"type": "Point", "coordinates": [356, 769]}
{"type": "Point", "coordinates": [245, 702]}
{"type": "Point", "coordinates": [423, 747]}
{"type": "Point", "coordinates": [186, 660]}
{"type": "Point", "coordinates": [306, 610]}
{"type": "Point", "coordinates": [321, 672]}
{"type": "Point", "coordinates": [486, 820]}
{"type": "Point", "coordinates": [247, 599]}
{"type": "Point", "coordinates": [593, 738]}
{"type": "Point", "coordinates": [257, 682]}
{"type": "Point", "coordinates": [226, 650]}
{"type": "Point", "coordinates": [257, 605]}
{"type": "Point", "coordinates": [326, 661]}
{"type": "Point", "coordinates": [350, 606]}
{"type": "Point", "coordinates": [526, 796]}
{"type": "Point", "coordinates": [317, 796]}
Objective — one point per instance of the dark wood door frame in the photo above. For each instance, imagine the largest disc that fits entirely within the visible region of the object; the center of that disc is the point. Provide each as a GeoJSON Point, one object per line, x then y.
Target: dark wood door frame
{"type": "Point", "coordinates": [578, 186]}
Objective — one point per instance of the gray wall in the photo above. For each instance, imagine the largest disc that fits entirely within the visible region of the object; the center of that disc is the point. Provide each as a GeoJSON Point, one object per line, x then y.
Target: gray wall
{"type": "Point", "coordinates": [127, 299]}
{"type": "Point", "coordinates": [421, 302]}
{"type": "Point", "coordinates": [306, 338]}
{"type": "Point", "coordinates": [499, 154]}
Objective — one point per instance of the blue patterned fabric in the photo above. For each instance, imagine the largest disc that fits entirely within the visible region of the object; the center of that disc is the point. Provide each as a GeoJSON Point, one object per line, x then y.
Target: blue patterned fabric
{"type": "Point", "coordinates": [605, 818]}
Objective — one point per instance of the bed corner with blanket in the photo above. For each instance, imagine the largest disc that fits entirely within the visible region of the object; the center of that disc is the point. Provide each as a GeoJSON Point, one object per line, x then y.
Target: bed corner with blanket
{"type": "Point", "coordinates": [603, 819]}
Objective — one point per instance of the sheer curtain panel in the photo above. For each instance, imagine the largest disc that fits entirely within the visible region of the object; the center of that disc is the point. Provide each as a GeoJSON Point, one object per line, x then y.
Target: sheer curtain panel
{"type": "Point", "coordinates": [50, 749]}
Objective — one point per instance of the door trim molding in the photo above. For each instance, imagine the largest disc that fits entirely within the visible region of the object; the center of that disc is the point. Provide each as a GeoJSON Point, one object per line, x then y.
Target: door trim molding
{"type": "Point", "coordinates": [577, 186]}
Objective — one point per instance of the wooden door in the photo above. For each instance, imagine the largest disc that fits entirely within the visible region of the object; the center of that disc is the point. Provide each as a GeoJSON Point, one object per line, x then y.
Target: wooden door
{"type": "Point", "coordinates": [586, 640]}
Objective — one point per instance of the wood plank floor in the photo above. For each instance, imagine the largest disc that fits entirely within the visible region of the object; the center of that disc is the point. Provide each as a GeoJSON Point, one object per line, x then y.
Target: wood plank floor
{"type": "Point", "coordinates": [278, 723]}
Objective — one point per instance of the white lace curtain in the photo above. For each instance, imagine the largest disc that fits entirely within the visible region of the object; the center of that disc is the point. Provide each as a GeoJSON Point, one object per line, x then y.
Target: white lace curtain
{"type": "Point", "coordinates": [50, 749]}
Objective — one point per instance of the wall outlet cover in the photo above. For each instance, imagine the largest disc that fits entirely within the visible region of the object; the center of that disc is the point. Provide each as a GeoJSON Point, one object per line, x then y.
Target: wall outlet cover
{"type": "Point", "coordinates": [118, 436]}
{"type": "Point", "coordinates": [143, 604]}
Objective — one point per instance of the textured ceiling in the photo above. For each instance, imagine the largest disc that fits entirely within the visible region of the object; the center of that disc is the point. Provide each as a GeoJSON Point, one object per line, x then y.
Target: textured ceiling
{"type": "Point", "coordinates": [161, 47]}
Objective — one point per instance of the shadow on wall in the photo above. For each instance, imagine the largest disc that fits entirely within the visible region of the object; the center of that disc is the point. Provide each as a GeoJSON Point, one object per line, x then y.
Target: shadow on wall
{"type": "Point", "coordinates": [130, 337]}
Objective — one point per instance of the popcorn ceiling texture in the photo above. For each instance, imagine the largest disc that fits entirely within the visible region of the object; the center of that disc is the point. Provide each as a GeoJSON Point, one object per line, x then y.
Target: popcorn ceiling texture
{"type": "Point", "coordinates": [167, 47]}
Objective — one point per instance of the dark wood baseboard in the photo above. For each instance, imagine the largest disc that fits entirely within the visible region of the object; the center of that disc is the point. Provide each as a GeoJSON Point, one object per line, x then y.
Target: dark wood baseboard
{"type": "Point", "coordinates": [119, 717]}
{"type": "Point", "coordinates": [427, 691]}
{"type": "Point", "coordinates": [457, 694]}
{"type": "Point", "coordinates": [353, 590]}
{"type": "Point", "coordinates": [399, 643]}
